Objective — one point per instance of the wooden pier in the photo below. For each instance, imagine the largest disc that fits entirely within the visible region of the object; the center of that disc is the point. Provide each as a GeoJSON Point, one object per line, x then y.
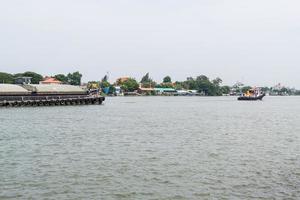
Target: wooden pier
{"type": "Point", "coordinates": [64, 100]}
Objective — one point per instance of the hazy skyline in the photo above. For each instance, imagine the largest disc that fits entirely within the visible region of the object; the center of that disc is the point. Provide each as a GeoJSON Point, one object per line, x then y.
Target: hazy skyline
{"type": "Point", "coordinates": [256, 42]}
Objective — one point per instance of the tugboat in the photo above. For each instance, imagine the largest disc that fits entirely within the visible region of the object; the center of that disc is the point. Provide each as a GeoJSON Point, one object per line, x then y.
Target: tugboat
{"type": "Point", "coordinates": [252, 95]}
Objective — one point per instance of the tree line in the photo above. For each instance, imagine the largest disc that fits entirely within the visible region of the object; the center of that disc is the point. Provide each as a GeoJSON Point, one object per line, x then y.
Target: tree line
{"type": "Point", "coordinates": [71, 78]}
{"type": "Point", "coordinates": [201, 83]}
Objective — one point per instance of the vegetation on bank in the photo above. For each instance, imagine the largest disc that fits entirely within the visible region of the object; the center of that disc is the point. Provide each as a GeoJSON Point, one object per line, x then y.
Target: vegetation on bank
{"type": "Point", "coordinates": [71, 78]}
{"type": "Point", "coordinates": [202, 84]}
{"type": "Point", "coordinates": [10, 78]}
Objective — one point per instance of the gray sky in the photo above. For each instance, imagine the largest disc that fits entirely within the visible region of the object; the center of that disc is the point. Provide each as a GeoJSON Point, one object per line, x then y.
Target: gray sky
{"type": "Point", "coordinates": [256, 42]}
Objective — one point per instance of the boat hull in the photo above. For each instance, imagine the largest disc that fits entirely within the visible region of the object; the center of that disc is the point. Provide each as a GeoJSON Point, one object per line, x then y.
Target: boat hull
{"type": "Point", "coordinates": [251, 98]}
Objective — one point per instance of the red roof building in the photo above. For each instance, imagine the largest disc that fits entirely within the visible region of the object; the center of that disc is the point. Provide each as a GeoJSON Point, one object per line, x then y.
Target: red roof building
{"type": "Point", "coordinates": [122, 80]}
{"type": "Point", "coordinates": [50, 80]}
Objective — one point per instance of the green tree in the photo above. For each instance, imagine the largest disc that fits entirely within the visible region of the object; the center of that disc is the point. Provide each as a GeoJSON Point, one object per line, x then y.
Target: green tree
{"type": "Point", "coordinates": [216, 86]}
{"type": "Point", "coordinates": [35, 77]}
{"type": "Point", "coordinates": [61, 77]}
{"type": "Point", "coordinates": [265, 89]}
{"type": "Point", "coordinates": [237, 87]}
{"type": "Point", "coordinates": [285, 91]}
{"type": "Point", "coordinates": [225, 89]}
{"type": "Point", "coordinates": [93, 85]}
{"type": "Point", "coordinates": [74, 78]}
{"type": "Point", "coordinates": [130, 85]}
{"type": "Point", "coordinates": [147, 82]}
{"type": "Point", "coordinates": [146, 78]}
{"type": "Point", "coordinates": [202, 78]}
{"type": "Point", "coordinates": [6, 78]}
{"type": "Point", "coordinates": [189, 84]}
{"type": "Point", "coordinates": [217, 81]}
{"type": "Point", "coordinates": [104, 84]}
{"type": "Point", "coordinates": [179, 85]}
{"type": "Point", "coordinates": [105, 79]}
{"type": "Point", "coordinates": [167, 79]}
{"type": "Point", "coordinates": [204, 85]}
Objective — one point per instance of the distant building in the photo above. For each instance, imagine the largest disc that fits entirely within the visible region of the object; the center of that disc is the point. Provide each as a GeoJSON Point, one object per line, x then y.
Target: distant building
{"type": "Point", "coordinates": [196, 93]}
{"type": "Point", "coordinates": [188, 93]}
{"type": "Point", "coordinates": [23, 80]}
{"type": "Point", "coordinates": [165, 91]}
{"type": "Point", "coordinates": [118, 91]}
{"type": "Point", "coordinates": [146, 91]}
{"type": "Point", "coordinates": [50, 80]}
{"type": "Point", "coordinates": [122, 80]}
{"type": "Point", "coordinates": [277, 87]}
{"type": "Point", "coordinates": [279, 90]}
{"type": "Point", "coordinates": [182, 92]}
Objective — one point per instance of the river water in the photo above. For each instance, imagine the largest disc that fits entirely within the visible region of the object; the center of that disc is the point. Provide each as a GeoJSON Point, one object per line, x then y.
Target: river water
{"type": "Point", "coordinates": [153, 148]}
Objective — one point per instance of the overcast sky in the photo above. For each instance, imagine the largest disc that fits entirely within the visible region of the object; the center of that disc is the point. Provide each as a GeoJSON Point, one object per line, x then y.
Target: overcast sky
{"type": "Point", "coordinates": [255, 41]}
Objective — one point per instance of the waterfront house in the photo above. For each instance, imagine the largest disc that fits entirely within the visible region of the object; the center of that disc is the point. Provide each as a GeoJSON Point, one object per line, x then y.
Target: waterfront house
{"type": "Point", "coordinates": [118, 91]}
{"type": "Point", "coordinates": [196, 93]}
{"type": "Point", "coordinates": [23, 80]}
{"type": "Point", "coordinates": [165, 91]}
{"type": "Point", "coordinates": [122, 80]}
{"type": "Point", "coordinates": [182, 92]}
{"type": "Point", "coordinates": [146, 91]}
{"type": "Point", "coordinates": [188, 93]}
{"type": "Point", "coordinates": [50, 80]}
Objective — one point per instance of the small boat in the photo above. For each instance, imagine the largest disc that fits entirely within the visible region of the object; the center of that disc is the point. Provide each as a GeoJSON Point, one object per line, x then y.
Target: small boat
{"type": "Point", "coordinates": [252, 95]}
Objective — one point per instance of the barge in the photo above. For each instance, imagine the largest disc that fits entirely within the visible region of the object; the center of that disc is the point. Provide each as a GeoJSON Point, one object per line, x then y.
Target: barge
{"type": "Point", "coordinates": [46, 95]}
